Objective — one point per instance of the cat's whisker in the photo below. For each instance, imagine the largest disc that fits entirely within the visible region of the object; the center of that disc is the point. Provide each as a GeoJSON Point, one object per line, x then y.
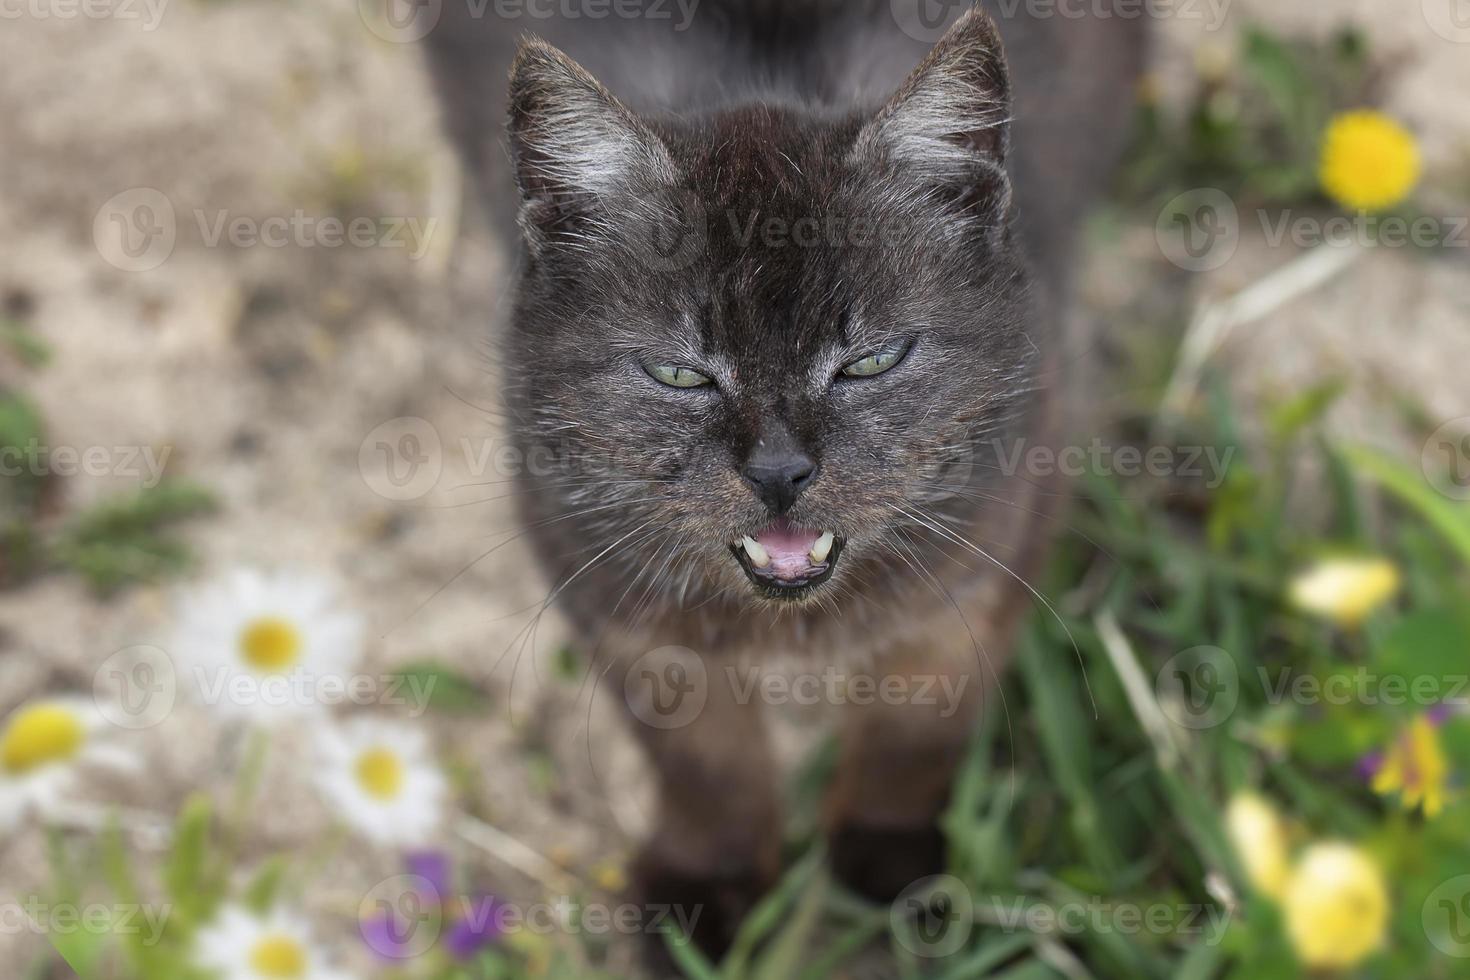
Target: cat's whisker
{"type": "Point", "coordinates": [522, 532]}
{"type": "Point", "coordinates": [524, 638]}
{"type": "Point", "coordinates": [951, 535]}
{"type": "Point", "coordinates": [982, 658]}
{"type": "Point", "coordinates": [1052, 519]}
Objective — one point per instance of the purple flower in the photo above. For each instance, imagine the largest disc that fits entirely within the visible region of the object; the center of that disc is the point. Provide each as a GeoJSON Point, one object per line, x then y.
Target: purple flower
{"type": "Point", "coordinates": [476, 928]}
{"type": "Point", "coordinates": [414, 913]}
{"type": "Point", "coordinates": [433, 867]}
{"type": "Point", "coordinates": [1441, 713]}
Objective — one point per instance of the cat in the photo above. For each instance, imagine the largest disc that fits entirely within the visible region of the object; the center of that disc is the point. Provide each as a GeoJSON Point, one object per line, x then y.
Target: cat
{"type": "Point", "coordinates": [788, 273]}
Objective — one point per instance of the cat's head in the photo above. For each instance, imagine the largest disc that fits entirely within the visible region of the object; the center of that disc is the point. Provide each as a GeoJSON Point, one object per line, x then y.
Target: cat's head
{"type": "Point", "coordinates": [764, 342]}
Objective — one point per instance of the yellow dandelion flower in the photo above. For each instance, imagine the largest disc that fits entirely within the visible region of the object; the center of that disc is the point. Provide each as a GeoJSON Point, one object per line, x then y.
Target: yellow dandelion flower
{"type": "Point", "coordinates": [1369, 162]}
{"type": "Point", "coordinates": [610, 877]}
{"type": "Point", "coordinates": [1336, 906]}
{"type": "Point", "coordinates": [1345, 590]}
{"type": "Point", "coordinates": [1258, 835]}
{"type": "Point", "coordinates": [1415, 767]}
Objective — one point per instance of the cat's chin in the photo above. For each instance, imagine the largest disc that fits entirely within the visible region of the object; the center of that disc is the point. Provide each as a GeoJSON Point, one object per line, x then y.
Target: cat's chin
{"type": "Point", "coordinates": [788, 563]}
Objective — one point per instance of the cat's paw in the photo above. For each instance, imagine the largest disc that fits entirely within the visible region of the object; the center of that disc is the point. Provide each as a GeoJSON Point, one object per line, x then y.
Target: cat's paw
{"type": "Point", "coordinates": [709, 908]}
{"type": "Point", "coordinates": [880, 862]}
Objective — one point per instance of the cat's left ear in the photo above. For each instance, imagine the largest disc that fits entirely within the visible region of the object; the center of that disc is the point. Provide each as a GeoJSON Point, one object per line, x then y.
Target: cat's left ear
{"type": "Point", "coordinates": [572, 142]}
{"type": "Point", "coordinates": [948, 127]}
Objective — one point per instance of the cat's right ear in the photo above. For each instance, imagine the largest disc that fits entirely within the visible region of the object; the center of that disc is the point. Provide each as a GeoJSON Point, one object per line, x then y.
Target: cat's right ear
{"type": "Point", "coordinates": [572, 142]}
{"type": "Point", "coordinates": [948, 127]}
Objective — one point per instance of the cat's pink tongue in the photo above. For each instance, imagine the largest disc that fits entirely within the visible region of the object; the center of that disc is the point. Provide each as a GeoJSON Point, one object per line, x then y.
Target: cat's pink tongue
{"type": "Point", "coordinates": [789, 547]}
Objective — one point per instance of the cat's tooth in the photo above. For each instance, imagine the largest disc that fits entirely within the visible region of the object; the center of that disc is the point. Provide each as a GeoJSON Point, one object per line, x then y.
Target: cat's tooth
{"type": "Point", "coordinates": [822, 548]}
{"type": "Point", "coordinates": [755, 552]}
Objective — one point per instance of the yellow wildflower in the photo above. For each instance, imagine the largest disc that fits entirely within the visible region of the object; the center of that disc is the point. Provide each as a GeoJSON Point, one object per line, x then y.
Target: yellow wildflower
{"type": "Point", "coordinates": [610, 877]}
{"type": "Point", "coordinates": [1415, 767]}
{"type": "Point", "coordinates": [1369, 162]}
{"type": "Point", "coordinates": [1259, 837]}
{"type": "Point", "coordinates": [1336, 906]}
{"type": "Point", "coordinates": [1345, 590]}
{"type": "Point", "coordinates": [536, 950]}
{"type": "Point", "coordinates": [1212, 61]}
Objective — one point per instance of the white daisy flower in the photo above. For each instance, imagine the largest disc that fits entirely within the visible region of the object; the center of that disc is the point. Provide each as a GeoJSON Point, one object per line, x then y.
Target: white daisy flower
{"type": "Point", "coordinates": [266, 647]}
{"type": "Point", "coordinates": [44, 747]}
{"type": "Point", "coordinates": [382, 779]}
{"type": "Point", "coordinates": [240, 945]}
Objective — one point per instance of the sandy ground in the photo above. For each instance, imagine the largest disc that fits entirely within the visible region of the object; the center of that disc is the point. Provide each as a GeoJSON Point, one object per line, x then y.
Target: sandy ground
{"type": "Point", "coordinates": [264, 370]}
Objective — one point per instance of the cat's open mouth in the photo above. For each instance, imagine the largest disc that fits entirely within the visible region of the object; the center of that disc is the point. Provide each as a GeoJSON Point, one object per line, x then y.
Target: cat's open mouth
{"type": "Point", "coordinates": [784, 561]}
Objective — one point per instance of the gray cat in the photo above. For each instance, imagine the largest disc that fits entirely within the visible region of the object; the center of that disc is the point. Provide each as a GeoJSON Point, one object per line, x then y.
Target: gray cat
{"type": "Point", "coordinates": [790, 272]}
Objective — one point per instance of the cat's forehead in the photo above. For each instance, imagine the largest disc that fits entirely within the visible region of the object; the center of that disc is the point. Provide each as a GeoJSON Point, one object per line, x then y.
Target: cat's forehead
{"type": "Point", "coordinates": [767, 157]}
{"type": "Point", "coordinates": [780, 265]}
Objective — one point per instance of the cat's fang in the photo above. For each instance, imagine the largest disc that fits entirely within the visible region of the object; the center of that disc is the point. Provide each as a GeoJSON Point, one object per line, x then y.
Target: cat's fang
{"type": "Point", "coordinates": [753, 550]}
{"type": "Point", "coordinates": [822, 548]}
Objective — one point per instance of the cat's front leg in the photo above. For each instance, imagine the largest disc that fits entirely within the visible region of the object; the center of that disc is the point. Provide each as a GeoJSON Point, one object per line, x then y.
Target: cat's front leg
{"type": "Point", "coordinates": [900, 751]}
{"type": "Point", "coordinates": [715, 845]}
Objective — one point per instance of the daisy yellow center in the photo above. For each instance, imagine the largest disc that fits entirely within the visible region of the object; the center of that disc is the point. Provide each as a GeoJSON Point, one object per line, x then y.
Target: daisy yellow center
{"type": "Point", "coordinates": [270, 644]}
{"type": "Point", "coordinates": [278, 957]}
{"type": "Point", "coordinates": [380, 774]}
{"type": "Point", "coordinates": [39, 736]}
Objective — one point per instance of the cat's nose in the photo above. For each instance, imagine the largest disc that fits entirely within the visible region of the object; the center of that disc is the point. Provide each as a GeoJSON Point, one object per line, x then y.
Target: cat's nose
{"type": "Point", "coordinates": [779, 475]}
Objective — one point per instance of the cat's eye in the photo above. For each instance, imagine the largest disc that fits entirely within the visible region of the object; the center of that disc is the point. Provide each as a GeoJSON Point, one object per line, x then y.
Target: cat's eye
{"type": "Point", "coordinates": [677, 377]}
{"type": "Point", "coordinates": [875, 364]}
